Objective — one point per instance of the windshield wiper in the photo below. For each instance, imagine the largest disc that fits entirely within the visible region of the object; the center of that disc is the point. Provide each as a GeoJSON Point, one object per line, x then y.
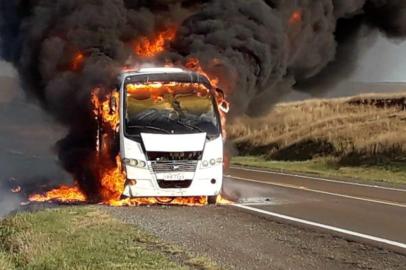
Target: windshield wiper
{"type": "Point", "coordinates": [192, 127]}
{"type": "Point", "coordinates": [151, 128]}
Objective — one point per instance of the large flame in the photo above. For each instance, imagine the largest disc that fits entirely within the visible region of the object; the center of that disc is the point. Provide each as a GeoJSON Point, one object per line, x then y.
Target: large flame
{"type": "Point", "coordinates": [156, 89]}
{"type": "Point", "coordinates": [187, 201]}
{"type": "Point", "coordinates": [111, 175]}
{"type": "Point", "coordinates": [67, 194]}
{"type": "Point", "coordinates": [223, 105]}
{"type": "Point", "coordinates": [148, 47]}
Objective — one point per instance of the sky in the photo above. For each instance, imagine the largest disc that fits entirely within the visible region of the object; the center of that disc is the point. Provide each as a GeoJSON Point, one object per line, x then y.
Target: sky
{"type": "Point", "coordinates": [6, 69]}
{"type": "Point", "coordinates": [385, 61]}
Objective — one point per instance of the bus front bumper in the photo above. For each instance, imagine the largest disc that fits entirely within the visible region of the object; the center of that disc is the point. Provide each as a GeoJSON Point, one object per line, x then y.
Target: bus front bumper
{"type": "Point", "coordinates": [206, 183]}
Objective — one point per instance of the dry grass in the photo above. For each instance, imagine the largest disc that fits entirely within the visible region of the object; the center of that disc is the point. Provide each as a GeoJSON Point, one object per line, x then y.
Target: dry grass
{"type": "Point", "coordinates": [361, 129]}
{"type": "Point", "coordinates": [5, 262]}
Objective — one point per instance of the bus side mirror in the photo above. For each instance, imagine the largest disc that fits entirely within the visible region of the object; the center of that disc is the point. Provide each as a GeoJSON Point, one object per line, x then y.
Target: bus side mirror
{"type": "Point", "coordinates": [223, 105]}
{"type": "Point", "coordinates": [114, 102]}
{"type": "Point", "coordinates": [220, 93]}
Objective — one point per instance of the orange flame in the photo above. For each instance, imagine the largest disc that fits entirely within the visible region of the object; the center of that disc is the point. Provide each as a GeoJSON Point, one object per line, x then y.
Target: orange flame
{"type": "Point", "coordinates": [112, 175]}
{"type": "Point", "coordinates": [223, 105]}
{"type": "Point", "coordinates": [64, 194]}
{"type": "Point", "coordinates": [296, 17]}
{"type": "Point", "coordinates": [112, 183]}
{"type": "Point", "coordinates": [150, 47]}
{"type": "Point", "coordinates": [77, 61]}
{"type": "Point", "coordinates": [223, 201]}
{"type": "Point", "coordinates": [155, 90]}
{"type": "Point", "coordinates": [181, 201]}
{"type": "Point", "coordinates": [104, 109]}
{"type": "Point", "coordinates": [194, 64]}
{"type": "Point", "coordinates": [184, 201]}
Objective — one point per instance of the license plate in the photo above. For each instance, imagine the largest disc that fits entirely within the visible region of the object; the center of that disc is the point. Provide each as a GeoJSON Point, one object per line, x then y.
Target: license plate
{"type": "Point", "coordinates": [174, 177]}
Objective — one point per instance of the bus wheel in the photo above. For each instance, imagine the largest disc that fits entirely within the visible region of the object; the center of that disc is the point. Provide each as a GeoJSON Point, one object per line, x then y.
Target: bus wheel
{"type": "Point", "coordinates": [212, 200]}
{"type": "Point", "coordinates": [123, 197]}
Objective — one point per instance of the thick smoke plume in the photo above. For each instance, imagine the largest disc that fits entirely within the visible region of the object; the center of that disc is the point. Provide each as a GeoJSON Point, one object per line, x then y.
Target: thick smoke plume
{"type": "Point", "coordinates": [258, 49]}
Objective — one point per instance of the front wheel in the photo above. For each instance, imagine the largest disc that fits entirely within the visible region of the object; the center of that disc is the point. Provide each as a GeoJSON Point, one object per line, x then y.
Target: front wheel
{"type": "Point", "coordinates": [212, 200]}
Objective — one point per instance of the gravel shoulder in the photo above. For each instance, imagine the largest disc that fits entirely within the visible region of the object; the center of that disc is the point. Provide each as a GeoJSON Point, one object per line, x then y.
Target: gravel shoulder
{"type": "Point", "coordinates": [238, 240]}
{"type": "Point", "coordinates": [83, 237]}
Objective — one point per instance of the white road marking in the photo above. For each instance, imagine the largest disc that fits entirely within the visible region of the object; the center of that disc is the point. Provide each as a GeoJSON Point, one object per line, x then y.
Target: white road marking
{"type": "Point", "coordinates": [258, 204]}
{"type": "Point", "coordinates": [317, 178]}
{"type": "Point", "coordinates": [323, 226]}
{"type": "Point", "coordinates": [318, 191]}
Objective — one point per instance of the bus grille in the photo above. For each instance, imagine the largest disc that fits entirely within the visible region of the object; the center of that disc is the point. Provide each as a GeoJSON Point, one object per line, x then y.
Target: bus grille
{"type": "Point", "coordinates": [174, 184]}
{"type": "Point", "coordinates": [174, 156]}
{"type": "Point", "coordinates": [174, 166]}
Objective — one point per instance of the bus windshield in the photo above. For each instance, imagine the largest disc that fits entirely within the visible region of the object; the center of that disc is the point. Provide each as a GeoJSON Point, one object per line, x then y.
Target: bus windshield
{"type": "Point", "coordinates": [170, 108]}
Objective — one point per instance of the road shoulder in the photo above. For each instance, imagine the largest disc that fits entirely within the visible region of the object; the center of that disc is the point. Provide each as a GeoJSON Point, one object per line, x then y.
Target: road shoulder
{"type": "Point", "coordinates": [239, 240]}
{"type": "Point", "coordinates": [85, 238]}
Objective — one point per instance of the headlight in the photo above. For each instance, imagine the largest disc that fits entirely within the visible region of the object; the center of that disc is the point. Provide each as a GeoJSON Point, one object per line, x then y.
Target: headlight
{"type": "Point", "coordinates": [142, 164]}
{"type": "Point", "coordinates": [211, 162]}
{"type": "Point", "coordinates": [135, 163]}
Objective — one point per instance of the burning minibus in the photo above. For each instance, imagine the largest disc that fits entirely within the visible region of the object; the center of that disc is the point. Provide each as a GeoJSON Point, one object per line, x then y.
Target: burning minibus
{"type": "Point", "coordinates": [170, 132]}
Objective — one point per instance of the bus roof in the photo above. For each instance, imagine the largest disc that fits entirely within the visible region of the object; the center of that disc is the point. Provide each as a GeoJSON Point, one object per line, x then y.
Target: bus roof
{"type": "Point", "coordinates": [164, 74]}
{"type": "Point", "coordinates": [154, 70]}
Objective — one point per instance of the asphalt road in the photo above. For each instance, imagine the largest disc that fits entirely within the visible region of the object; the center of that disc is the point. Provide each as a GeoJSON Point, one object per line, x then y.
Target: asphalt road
{"type": "Point", "coordinates": [287, 222]}
{"type": "Point", "coordinates": [362, 212]}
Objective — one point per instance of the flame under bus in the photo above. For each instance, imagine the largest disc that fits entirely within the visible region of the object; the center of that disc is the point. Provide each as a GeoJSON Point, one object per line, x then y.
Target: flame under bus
{"type": "Point", "coordinates": [170, 134]}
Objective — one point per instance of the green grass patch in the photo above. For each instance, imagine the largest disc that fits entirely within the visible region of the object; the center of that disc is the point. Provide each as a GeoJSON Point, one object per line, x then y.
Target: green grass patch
{"type": "Point", "coordinates": [83, 238]}
{"type": "Point", "coordinates": [390, 174]}
{"type": "Point", "coordinates": [5, 261]}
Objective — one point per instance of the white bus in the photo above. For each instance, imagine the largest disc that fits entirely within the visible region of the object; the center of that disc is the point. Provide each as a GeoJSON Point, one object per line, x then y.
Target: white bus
{"type": "Point", "coordinates": [170, 134]}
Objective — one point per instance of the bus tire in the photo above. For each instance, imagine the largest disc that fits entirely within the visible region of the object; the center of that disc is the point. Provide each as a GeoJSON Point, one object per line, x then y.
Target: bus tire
{"type": "Point", "coordinates": [212, 200]}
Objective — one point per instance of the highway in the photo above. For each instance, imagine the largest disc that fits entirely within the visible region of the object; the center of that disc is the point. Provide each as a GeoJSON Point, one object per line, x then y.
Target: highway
{"type": "Point", "coordinates": [362, 212]}
{"type": "Point", "coordinates": [285, 221]}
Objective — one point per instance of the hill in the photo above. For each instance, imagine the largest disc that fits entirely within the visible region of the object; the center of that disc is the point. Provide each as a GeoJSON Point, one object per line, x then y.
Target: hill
{"type": "Point", "coordinates": [368, 130]}
{"type": "Point", "coordinates": [350, 88]}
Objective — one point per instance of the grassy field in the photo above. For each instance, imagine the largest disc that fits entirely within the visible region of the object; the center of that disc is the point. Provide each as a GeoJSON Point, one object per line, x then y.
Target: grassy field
{"type": "Point", "coordinates": [363, 136]}
{"type": "Point", "coordinates": [84, 238]}
{"type": "Point", "coordinates": [394, 174]}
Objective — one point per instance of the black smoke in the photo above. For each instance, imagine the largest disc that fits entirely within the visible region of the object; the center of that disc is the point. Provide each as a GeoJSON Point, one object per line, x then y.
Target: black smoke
{"type": "Point", "coordinates": [257, 49]}
{"type": "Point", "coordinates": [263, 53]}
